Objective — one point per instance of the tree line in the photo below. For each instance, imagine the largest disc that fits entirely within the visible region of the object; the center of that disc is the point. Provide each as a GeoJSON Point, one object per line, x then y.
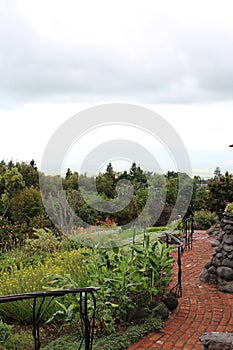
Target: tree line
{"type": "Point", "coordinates": [22, 209]}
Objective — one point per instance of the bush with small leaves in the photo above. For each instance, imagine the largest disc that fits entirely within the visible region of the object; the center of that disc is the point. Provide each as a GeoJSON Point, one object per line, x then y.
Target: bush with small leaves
{"type": "Point", "coordinates": [5, 331]}
{"type": "Point", "coordinates": [43, 241]}
{"type": "Point", "coordinates": [204, 219]}
{"type": "Point", "coordinates": [229, 207]}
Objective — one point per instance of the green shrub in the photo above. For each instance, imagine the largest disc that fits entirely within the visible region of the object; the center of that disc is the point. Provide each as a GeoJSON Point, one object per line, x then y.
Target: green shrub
{"type": "Point", "coordinates": [66, 342]}
{"type": "Point", "coordinates": [204, 219]}
{"type": "Point", "coordinates": [43, 241]}
{"type": "Point", "coordinates": [18, 260]}
{"type": "Point", "coordinates": [5, 331]}
{"type": "Point", "coordinates": [156, 229]}
{"type": "Point", "coordinates": [11, 235]}
{"type": "Point", "coordinates": [123, 339]}
{"type": "Point", "coordinates": [116, 341]}
{"type": "Point", "coordinates": [13, 339]}
{"type": "Point", "coordinates": [175, 225]}
{"type": "Point", "coordinates": [18, 341]}
{"type": "Point", "coordinates": [229, 207]}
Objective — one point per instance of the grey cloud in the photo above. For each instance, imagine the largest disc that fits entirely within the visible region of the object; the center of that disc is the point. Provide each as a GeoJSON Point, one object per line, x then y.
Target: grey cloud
{"type": "Point", "coordinates": [171, 62]}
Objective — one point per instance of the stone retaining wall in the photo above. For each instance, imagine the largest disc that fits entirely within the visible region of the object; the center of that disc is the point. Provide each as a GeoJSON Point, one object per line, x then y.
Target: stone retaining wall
{"type": "Point", "coordinates": [220, 268]}
{"type": "Point", "coordinates": [217, 341]}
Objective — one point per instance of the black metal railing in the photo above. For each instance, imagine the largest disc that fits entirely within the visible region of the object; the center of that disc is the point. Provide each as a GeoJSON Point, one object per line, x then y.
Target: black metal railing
{"type": "Point", "coordinates": [178, 244]}
{"type": "Point", "coordinates": [187, 230]}
{"type": "Point", "coordinates": [39, 308]}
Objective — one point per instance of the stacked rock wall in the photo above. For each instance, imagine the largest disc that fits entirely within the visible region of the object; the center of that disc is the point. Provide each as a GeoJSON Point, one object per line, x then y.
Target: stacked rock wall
{"type": "Point", "coordinates": [220, 268]}
{"type": "Point", "coordinates": [217, 341]}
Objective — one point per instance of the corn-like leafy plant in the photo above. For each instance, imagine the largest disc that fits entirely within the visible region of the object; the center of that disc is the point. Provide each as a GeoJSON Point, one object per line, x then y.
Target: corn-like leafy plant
{"type": "Point", "coordinates": [128, 278]}
{"type": "Point", "coordinates": [155, 263]}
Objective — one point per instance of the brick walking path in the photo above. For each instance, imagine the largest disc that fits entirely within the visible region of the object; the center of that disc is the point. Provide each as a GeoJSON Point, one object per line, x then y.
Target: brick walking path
{"type": "Point", "coordinates": [202, 307]}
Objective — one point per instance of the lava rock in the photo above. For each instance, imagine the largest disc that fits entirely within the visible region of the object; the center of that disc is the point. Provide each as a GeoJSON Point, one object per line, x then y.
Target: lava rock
{"type": "Point", "coordinates": [225, 286]}
{"type": "Point", "coordinates": [228, 247]}
{"type": "Point", "coordinates": [137, 314]}
{"type": "Point", "coordinates": [171, 302]}
{"type": "Point", "coordinates": [215, 262]}
{"type": "Point", "coordinates": [228, 238]}
{"type": "Point", "coordinates": [228, 228]}
{"type": "Point", "coordinates": [217, 341]}
{"type": "Point", "coordinates": [208, 265]}
{"type": "Point", "coordinates": [212, 270]}
{"type": "Point", "coordinates": [228, 263]}
{"type": "Point", "coordinates": [163, 310]}
{"type": "Point", "coordinates": [225, 273]}
{"type": "Point", "coordinates": [207, 277]}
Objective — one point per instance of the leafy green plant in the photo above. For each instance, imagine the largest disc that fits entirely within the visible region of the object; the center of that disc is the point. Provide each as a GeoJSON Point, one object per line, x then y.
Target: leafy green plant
{"type": "Point", "coordinates": [18, 341]}
{"type": "Point", "coordinates": [127, 279]}
{"type": "Point", "coordinates": [5, 331]}
{"type": "Point", "coordinates": [43, 240]}
{"type": "Point", "coordinates": [12, 339]}
{"type": "Point", "coordinates": [11, 235]}
{"type": "Point", "coordinates": [119, 340]}
{"type": "Point", "coordinates": [229, 207]}
{"type": "Point", "coordinates": [123, 339]}
{"type": "Point", "coordinates": [156, 229]}
{"type": "Point", "coordinates": [155, 264]}
{"type": "Point", "coordinates": [66, 342]}
{"type": "Point", "coordinates": [175, 225]}
{"type": "Point", "coordinates": [204, 219]}
{"type": "Point", "coordinates": [17, 260]}
{"type": "Point", "coordinates": [108, 270]}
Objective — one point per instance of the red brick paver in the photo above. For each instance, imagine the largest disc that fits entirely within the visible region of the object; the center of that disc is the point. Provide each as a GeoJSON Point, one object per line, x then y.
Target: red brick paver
{"type": "Point", "coordinates": [202, 307]}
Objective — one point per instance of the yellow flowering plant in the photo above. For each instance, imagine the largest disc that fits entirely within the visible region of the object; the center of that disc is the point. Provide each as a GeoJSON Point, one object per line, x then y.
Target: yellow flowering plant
{"type": "Point", "coordinates": [25, 279]}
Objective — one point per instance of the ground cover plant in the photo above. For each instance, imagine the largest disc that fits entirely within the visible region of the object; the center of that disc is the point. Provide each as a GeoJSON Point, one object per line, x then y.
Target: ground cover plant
{"type": "Point", "coordinates": [14, 339]}
{"type": "Point", "coordinates": [119, 340]}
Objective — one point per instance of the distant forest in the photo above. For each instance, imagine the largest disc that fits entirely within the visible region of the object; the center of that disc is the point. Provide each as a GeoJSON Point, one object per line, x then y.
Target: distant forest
{"type": "Point", "coordinates": [22, 209]}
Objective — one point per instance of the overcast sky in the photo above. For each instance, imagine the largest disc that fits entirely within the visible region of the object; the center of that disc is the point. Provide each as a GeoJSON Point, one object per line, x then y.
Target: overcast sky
{"type": "Point", "coordinates": [174, 57]}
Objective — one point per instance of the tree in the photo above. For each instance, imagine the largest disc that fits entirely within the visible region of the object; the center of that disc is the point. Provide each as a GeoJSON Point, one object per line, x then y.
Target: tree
{"type": "Point", "coordinates": [137, 177]}
{"type": "Point", "coordinates": [217, 173]}
{"type": "Point", "coordinates": [25, 205]}
{"type": "Point", "coordinates": [68, 173]}
{"type": "Point", "coordinates": [221, 191]}
{"type": "Point", "coordinates": [2, 167]}
{"type": "Point", "coordinates": [71, 180]}
{"type": "Point", "coordinates": [171, 174]}
{"type": "Point", "coordinates": [202, 199]}
{"type": "Point", "coordinates": [87, 183]}
{"type": "Point", "coordinates": [172, 190]}
{"type": "Point", "coordinates": [109, 170]}
{"type": "Point", "coordinates": [105, 183]}
{"type": "Point", "coordinates": [12, 182]}
{"type": "Point", "coordinates": [29, 172]}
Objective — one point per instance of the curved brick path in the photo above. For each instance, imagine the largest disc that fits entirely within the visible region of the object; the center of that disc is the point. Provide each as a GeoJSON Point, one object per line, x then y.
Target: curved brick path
{"type": "Point", "coordinates": [202, 307]}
